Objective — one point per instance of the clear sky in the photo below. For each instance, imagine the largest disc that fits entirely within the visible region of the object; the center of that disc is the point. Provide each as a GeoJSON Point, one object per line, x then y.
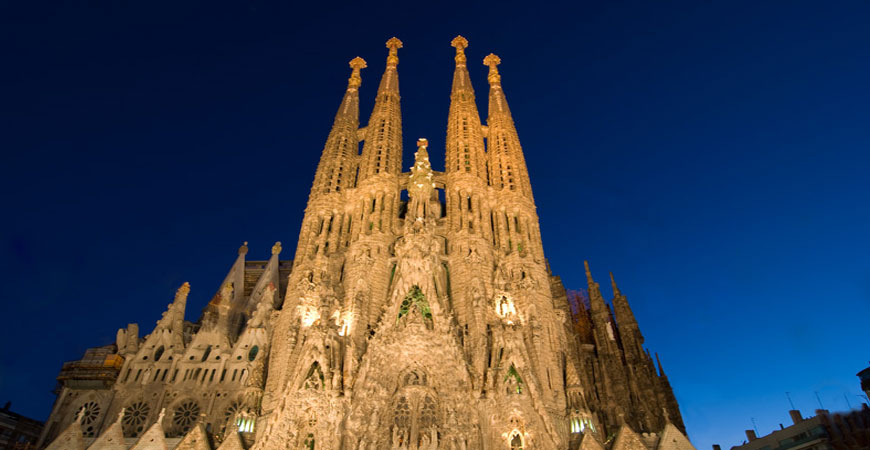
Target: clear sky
{"type": "Point", "coordinates": [712, 154]}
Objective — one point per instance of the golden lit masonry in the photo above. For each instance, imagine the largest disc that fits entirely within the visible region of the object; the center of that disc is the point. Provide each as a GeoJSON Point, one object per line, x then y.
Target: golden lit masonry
{"type": "Point", "coordinates": [418, 312]}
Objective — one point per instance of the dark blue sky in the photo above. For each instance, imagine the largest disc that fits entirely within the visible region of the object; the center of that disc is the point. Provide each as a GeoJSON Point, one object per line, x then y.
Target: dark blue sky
{"type": "Point", "coordinates": [713, 155]}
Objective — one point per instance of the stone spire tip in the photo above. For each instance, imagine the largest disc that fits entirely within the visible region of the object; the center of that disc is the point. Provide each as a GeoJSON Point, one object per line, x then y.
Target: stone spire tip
{"type": "Point", "coordinates": [394, 44]}
{"type": "Point", "coordinates": [182, 291]}
{"type": "Point", "coordinates": [355, 80]}
{"type": "Point", "coordinates": [244, 248]}
{"type": "Point", "coordinates": [493, 61]}
{"type": "Point", "coordinates": [616, 292]}
{"type": "Point", "coordinates": [276, 248]}
{"type": "Point", "coordinates": [460, 43]}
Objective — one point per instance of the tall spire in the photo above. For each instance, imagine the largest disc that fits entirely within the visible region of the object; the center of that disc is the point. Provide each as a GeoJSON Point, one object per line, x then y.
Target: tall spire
{"type": "Point", "coordinates": [661, 369]}
{"type": "Point", "coordinates": [507, 166]}
{"type": "Point", "coordinates": [465, 149]}
{"type": "Point", "coordinates": [337, 160]}
{"type": "Point", "coordinates": [596, 301]}
{"type": "Point", "coordinates": [624, 315]}
{"type": "Point", "coordinates": [382, 151]}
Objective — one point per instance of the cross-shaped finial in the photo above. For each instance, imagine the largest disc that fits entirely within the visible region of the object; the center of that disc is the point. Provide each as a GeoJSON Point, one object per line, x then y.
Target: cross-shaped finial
{"type": "Point", "coordinates": [355, 80]}
{"type": "Point", "coordinates": [492, 61]}
{"type": "Point", "coordinates": [394, 44]}
{"type": "Point", "coordinates": [460, 43]}
{"type": "Point", "coordinates": [358, 63]}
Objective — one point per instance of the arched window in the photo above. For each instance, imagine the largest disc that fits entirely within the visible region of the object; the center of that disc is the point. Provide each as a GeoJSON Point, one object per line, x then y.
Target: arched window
{"type": "Point", "coordinates": [252, 355]}
{"type": "Point", "coordinates": [158, 353]}
{"type": "Point", "coordinates": [516, 442]}
{"type": "Point", "coordinates": [309, 442]}
{"type": "Point", "coordinates": [314, 379]}
{"type": "Point", "coordinates": [206, 353]}
{"type": "Point", "coordinates": [415, 300]}
{"type": "Point", "coordinates": [513, 382]}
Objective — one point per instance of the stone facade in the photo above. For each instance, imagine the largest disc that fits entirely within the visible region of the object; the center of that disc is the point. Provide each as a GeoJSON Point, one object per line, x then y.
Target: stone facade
{"type": "Point", "coordinates": [420, 313]}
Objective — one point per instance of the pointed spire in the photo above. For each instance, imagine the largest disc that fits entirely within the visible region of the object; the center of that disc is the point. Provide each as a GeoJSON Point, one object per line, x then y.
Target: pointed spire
{"type": "Point", "coordinates": [195, 439]}
{"type": "Point", "coordinates": [334, 172]}
{"type": "Point", "coordinates": [154, 438]}
{"type": "Point", "coordinates": [112, 438]}
{"type": "Point", "coordinates": [661, 369]}
{"type": "Point", "coordinates": [420, 185]}
{"type": "Point", "coordinates": [173, 318]}
{"type": "Point", "coordinates": [232, 440]}
{"type": "Point", "coordinates": [622, 310]}
{"type": "Point", "coordinates": [596, 301]}
{"type": "Point", "coordinates": [616, 292]}
{"type": "Point", "coordinates": [243, 250]}
{"type": "Point", "coordinates": [465, 148]}
{"type": "Point", "coordinates": [71, 438]}
{"type": "Point", "coordinates": [382, 151]}
{"type": "Point", "coordinates": [507, 165]}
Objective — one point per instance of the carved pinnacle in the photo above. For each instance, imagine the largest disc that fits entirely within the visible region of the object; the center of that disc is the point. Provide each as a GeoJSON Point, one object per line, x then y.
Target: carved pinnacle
{"type": "Point", "coordinates": [460, 43]}
{"type": "Point", "coordinates": [394, 44]}
{"type": "Point", "coordinates": [355, 80]}
{"type": "Point", "coordinates": [358, 63]}
{"type": "Point", "coordinates": [492, 61]}
{"type": "Point", "coordinates": [422, 142]}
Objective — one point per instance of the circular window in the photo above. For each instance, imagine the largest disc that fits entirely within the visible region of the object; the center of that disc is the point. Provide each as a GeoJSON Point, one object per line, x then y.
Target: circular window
{"type": "Point", "coordinates": [185, 416]}
{"type": "Point", "coordinates": [89, 412]}
{"type": "Point", "coordinates": [134, 419]}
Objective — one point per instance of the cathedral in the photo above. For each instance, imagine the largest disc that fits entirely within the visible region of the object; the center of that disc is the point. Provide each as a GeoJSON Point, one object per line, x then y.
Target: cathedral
{"type": "Point", "coordinates": [418, 313]}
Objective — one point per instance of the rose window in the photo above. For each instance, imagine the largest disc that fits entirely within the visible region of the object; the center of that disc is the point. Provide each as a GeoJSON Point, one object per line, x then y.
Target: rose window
{"type": "Point", "coordinates": [185, 416]}
{"type": "Point", "coordinates": [134, 418]}
{"type": "Point", "coordinates": [88, 412]}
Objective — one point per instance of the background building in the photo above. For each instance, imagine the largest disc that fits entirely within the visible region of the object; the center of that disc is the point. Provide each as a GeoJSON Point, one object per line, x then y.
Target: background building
{"type": "Point", "coordinates": [824, 431]}
{"type": "Point", "coordinates": [17, 431]}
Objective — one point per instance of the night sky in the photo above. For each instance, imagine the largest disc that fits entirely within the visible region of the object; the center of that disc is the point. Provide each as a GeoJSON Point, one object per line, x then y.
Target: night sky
{"type": "Point", "coordinates": [712, 154]}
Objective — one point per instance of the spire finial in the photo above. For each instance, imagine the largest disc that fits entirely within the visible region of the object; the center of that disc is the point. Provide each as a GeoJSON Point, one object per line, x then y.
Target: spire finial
{"type": "Point", "coordinates": [243, 250]}
{"type": "Point", "coordinates": [181, 293]}
{"type": "Point", "coordinates": [276, 248]}
{"type": "Point", "coordinates": [616, 292]}
{"type": "Point", "coordinates": [588, 272]}
{"type": "Point", "coordinates": [355, 80]}
{"type": "Point", "coordinates": [460, 43]}
{"type": "Point", "coordinates": [492, 61]}
{"type": "Point", "coordinates": [422, 142]}
{"type": "Point", "coordinates": [394, 44]}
